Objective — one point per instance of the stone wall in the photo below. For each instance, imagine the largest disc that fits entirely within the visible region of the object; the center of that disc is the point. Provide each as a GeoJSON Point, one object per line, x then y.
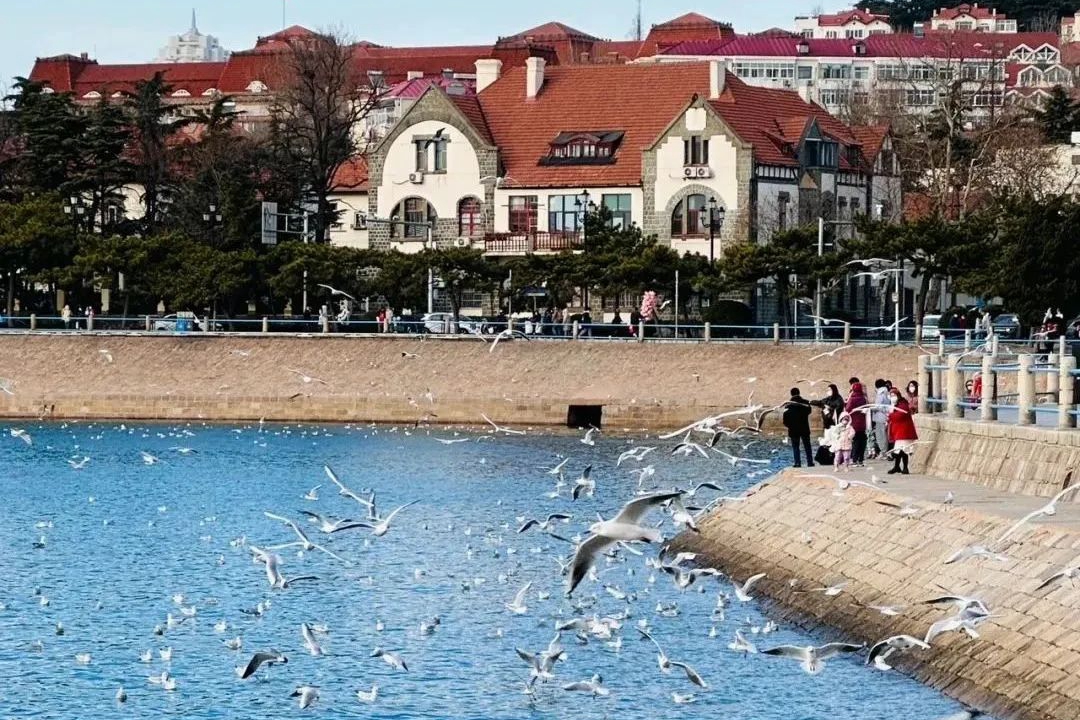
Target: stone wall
{"type": "Point", "coordinates": [639, 385]}
{"type": "Point", "coordinates": [1023, 666]}
{"type": "Point", "coordinates": [1025, 460]}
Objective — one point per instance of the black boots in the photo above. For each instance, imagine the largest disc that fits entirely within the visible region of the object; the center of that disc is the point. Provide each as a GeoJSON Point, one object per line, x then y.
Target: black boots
{"type": "Point", "coordinates": [900, 464]}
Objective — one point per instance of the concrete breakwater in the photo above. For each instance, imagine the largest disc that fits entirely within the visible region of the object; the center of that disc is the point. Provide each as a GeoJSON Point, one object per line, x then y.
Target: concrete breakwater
{"type": "Point", "coordinates": [636, 386]}
{"type": "Point", "coordinates": [792, 527]}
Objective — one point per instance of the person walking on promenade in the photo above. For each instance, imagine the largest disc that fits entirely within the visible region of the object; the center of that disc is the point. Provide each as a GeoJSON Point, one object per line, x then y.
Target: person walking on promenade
{"type": "Point", "coordinates": [567, 322]}
{"type": "Point", "coordinates": [65, 315]}
{"type": "Point", "coordinates": [832, 406]}
{"type": "Point", "coordinates": [913, 396]}
{"type": "Point", "coordinates": [901, 432]}
{"type": "Point", "coordinates": [880, 417]}
{"type": "Point", "coordinates": [843, 438]}
{"type": "Point", "coordinates": [585, 324]}
{"type": "Point", "coordinates": [856, 400]}
{"type": "Point", "coordinates": [797, 421]}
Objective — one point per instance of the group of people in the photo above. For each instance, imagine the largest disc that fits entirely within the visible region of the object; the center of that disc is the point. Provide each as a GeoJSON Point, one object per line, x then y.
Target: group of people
{"type": "Point", "coordinates": [855, 428]}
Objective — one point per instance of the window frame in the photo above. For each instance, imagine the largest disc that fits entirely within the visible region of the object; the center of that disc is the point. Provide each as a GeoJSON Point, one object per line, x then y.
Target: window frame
{"type": "Point", "coordinates": [472, 209]}
{"type": "Point", "coordinates": [566, 213]}
{"type": "Point", "coordinates": [696, 151]}
{"type": "Point", "coordinates": [529, 210]}
{"type": "Point", "coordinates": [621, 217]}
{"type": "Point", "coordinates": [690, 219]}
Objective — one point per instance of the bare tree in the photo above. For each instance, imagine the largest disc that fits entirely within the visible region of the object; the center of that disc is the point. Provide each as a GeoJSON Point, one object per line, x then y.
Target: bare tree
{"type": "Point", "coordinates": [322, 99]}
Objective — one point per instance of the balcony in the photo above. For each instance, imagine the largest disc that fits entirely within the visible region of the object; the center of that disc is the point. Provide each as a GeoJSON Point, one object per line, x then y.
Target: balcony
{"type": "Point", "coordinates": [528, 243]}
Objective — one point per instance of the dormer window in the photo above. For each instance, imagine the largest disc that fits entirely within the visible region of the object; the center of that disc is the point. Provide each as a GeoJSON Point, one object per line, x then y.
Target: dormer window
{"type": "Point", "coordinates": [820, 154]}
{"type": "Point", "coordinates": [584, 148]}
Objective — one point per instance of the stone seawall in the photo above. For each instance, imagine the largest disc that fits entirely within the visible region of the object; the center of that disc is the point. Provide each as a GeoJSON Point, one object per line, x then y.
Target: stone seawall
{"type": "Point", "coordinates": [647, 385]}
{"type": "Point", "coordinates": [1025, 460]}
{"type": "Point", "coordinates": [1023, 666]}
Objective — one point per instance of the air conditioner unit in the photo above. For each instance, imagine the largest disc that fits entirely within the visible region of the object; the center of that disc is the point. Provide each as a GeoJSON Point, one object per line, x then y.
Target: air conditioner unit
{"type": "Point", "coordinates": [689, 172]}
{"type": "Point", "coordinates": [416, 178]}
{"type": "Point", "coordinates": [704, 172]}
{"type": "Point", "coordinates": [463, 243]}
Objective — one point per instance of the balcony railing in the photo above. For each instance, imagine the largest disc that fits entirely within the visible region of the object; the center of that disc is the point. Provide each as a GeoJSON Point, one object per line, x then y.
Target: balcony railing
{"type": "Point", "coordinates": [525, 243]}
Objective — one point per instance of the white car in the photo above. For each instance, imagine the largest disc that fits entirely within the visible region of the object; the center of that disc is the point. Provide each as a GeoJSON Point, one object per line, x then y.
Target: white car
{"type": "Point", "coordinates": [440, 324]}
{"type": "Point", "coordinates": [931, 325]}
{"type": "Point", "coordinates": [168, 322]}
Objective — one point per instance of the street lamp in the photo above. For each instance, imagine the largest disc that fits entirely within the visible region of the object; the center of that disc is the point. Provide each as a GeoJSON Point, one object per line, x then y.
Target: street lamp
{"type": "Point", "coordinates": [716, 222]}
{"type": "Point", "coordinates": [75, 207]}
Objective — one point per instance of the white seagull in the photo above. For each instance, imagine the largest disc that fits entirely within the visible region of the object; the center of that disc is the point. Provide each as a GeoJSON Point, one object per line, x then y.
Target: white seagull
{"type": "Point", "coordinates": [310, 641]}
{"type": "Point", "coordinates": [499, 428]}
{"type": "Point", "coordinates": [271, 657]}
{"type": "Point", "coordinates": [594, 686]}
{"type": "Point", "coordinates": [742, 592]}
{"type": "Point", "coordinates": [518, 606]}
{"type": "Point", "coordinates": [588, 439]}
{"type": "Point", "coordinates": [880, 651]}
{"type": "Point", "coordinates": [391, 659]}
{"type": "Point", "coordinates": [812, 658]}
{"type": "Point", "coordinates": [22, 435]}
{"type": "Point", "coordinates": [308, 694]}
{"type": "Point", "coordinates": [369, 696]}
{"type": "Point", "coordinates": [304, 541]}
{"type": "Point", "coordinates": [1046, 510]}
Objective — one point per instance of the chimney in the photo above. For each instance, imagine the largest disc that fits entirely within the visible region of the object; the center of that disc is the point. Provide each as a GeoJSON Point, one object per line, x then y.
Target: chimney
{"type": "Point", "coordinates": [534, 76]}
{"type": "Point", "coordinates": [415, 75]}
{"type": "Point", "coordinates": [717, 77]}
{"type": "Point", "coordinates": [488, 71]}
{"type": "Point", "coordinates": [448, 74]}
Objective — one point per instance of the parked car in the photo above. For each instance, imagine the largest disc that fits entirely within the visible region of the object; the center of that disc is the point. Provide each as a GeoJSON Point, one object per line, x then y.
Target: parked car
{"type": "Point", "coordinates": [931, 327]}
{"type": "Point", "coordinates": [182, 322]}
{"type": "Point", "coordinates": [1007, 325]}
{"type": "Point", "coordinates": [440, 323]}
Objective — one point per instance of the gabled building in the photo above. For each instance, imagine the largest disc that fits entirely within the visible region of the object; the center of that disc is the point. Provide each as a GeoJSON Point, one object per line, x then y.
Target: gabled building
{"type": "Point", "coordinates": [967, 17]}
{"type": "Point", "coordinates": [852, 24]}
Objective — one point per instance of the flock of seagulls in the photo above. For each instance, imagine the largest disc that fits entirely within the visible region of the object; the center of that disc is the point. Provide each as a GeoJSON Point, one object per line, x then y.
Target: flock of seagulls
{"type": "Point", "coordinates": [323, 533]}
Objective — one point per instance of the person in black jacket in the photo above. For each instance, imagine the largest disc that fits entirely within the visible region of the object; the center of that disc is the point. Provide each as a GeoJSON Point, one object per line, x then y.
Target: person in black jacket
{"type": "Point", "coordinates": [797, 421]}
{"type": "Point", "coordinates": [832, 407]}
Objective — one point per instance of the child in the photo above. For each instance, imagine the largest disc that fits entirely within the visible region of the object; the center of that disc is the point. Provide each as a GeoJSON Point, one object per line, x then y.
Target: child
{"type": "Point", "coordinates": [844, 437]}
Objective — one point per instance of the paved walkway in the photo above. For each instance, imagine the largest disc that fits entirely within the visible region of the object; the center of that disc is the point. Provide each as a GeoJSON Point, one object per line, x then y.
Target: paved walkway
{"type": "Point", "coordinates": [990, 501]}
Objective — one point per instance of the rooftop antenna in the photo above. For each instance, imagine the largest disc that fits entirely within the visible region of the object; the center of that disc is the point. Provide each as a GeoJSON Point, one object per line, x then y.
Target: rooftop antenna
{"type": "Point", "coordinates": [194, 25]}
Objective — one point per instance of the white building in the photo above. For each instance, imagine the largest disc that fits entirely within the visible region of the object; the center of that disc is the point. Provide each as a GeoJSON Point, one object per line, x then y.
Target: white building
{"type": "Point", "coordinates": [192, 46]}
{"type": "Point", "coordinates": [853, 24]}
{"type": "Point", "coordinates": [968, 17]}
{"type": "Point", "coordinates": [1070, 28]}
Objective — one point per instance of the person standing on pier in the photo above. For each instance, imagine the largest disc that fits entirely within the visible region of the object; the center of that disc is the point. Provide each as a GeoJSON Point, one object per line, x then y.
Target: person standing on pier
{"type": "Point", "coordinates": [797, 421]}
{"type": "Point", "coordinates": [901, 432]}
{"type": "Point", "coordinates": [880, 417]}
{"type": "Point", "coordinates": [855, 401]}
{"type": "Point", "coordinates": [832, 406]}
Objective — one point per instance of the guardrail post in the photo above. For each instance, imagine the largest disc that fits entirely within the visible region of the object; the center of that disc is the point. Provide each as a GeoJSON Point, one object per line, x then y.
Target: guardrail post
{"type": "Point", "coordinates": [925, 386]}
{"type": "Point", "coordinates": [994, 345]}
{"type": "Point", "coordinates": [1025, 386]}
{"type": "Point", "coordinates": [325, 322]}
{"type": "Point", "coordinates": [847, 333]}
{"type": "Point", "coordinates": [641, 331]}
{"type": "Point", "coordinates": [1052, 377]}
{"type": "Point", "coordinates": [148, 323]}
{"type": "Point", "coordinates": [986, 403]}
{"type": "Point", "coordinates": [776, 333]}
{"type": "Point", "coordinates": [33, 321]}
{"type": "Point", "coordinates": [954, 387]}
{"type": "Point", "coordinates": [941, 346]}
{"type": "Point", "coordinates": [90, 322]}
{"type": "Point", "coordinates": [575, 333]}
{"type": "Point", "coordinates": [509, 326]}
{"type": "Point", "coordinates": [937, 380]}
{"type": "Point", "coordinates": [1066, 390]}
{"type": "Point", "coordinates": [708, 332]}
{"type": "Point", "coordinates": [918, 333]}
{"type": "Point", "coordinates": [266, 325]}
{"type": "Point", "coordinates": [967, 339]}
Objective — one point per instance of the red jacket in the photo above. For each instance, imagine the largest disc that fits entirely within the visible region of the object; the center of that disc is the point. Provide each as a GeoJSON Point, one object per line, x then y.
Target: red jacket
{"type": "Point", "coordinates": [856, 400]}
{"type": "Point", "coordinates": [901, 424]}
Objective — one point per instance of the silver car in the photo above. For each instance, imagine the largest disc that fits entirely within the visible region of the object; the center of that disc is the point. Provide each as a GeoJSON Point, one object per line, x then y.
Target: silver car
{"type": "Point", "coordinates": [441, 324]}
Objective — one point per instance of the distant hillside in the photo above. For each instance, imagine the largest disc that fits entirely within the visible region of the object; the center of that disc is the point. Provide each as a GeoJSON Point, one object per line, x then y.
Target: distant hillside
{"type": "Point", "coordinates": [1032, 15]}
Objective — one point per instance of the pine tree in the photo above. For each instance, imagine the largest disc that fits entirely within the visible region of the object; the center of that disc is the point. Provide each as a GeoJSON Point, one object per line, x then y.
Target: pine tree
{"type": "Point", "coordinates": [153, 127]}
{"type": "Point", "coordinates": [1059, 117]}
{"type": "Point", "coordinates": [104, 168]}
{"type": "Point", "coordinates": [50, 130]}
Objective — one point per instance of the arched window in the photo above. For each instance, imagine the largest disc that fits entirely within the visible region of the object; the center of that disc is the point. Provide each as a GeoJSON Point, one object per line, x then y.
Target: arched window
{"type": "Point", "coordinates": [470, 217]}
{"type": "Point", "coordinates": [410, 215]}
{"type": "Point", "coordinates": [688, 219]}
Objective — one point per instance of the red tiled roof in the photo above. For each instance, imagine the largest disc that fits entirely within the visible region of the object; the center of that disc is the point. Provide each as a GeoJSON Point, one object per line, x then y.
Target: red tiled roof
{"type": "Point", "coordinates": [690, 20]}
{"type": "Point", "coordinates": [195, 78]}
{"type": "Point", "coordinates": [979, 13]}
{"type": "Point", "coordinates": [1070, 53]}
{"type": "Point", "coordinates": [587, 97]}
{"type": "Point", "coordinates": [353, 175]}
{"type": "Point", "coordinates": [59, 72]}
{"type": "Point", "coordinates": [692, 26]}
{"type": "Point", "coordinates": [552, 31]}
{"type": "Point", "coordinates": [843, 18]}
{"type": "Point", "coordinates": [870, 137]}
{"type": "Point", "coordinates": [472, 110]}
{"type": "Point", "coordinates": [413, 89]}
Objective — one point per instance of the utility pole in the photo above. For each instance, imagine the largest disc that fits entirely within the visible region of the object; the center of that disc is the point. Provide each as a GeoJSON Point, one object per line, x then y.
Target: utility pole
{"type": "Point", "coordinates": [817, 291]}
{"type": "Point", "coordinates": [303, 302]}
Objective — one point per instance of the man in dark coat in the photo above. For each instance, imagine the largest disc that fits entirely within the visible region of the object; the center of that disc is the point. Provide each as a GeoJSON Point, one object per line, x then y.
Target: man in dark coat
{"type": "Point", "coordinates": [797, 422]}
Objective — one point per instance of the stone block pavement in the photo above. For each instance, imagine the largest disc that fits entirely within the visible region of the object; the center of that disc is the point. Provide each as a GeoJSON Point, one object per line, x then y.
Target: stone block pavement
{"type": "Point", "coordinates": [804, 528]}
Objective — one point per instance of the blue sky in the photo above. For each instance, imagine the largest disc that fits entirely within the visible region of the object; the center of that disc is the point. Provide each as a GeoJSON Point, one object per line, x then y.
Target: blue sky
{"type": "Point", "coordinates": [133, 30]}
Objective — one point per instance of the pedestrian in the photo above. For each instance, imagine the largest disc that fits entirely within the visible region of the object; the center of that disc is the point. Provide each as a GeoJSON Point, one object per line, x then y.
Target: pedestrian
{"type": "Point", "coordinates": [557, 322]}
{"type": "Point", "coordinates": [380, 319]}
{"type": "Point", "coordinates": [546, 322]}
{"type": "Point", "coordinates": [90, 317]}
{"type": "Point", "coordinates": [388, 317]}
{"type": "Point", "coordinates": [913, 396]}
{"type": "Point", "coordinates": [567, 322]}
{"type": "Point", "coordinates": [797, 421]}
{"type": "Point", "coordinates": [901, 432]}
{"type": "Point", "coordinates": [65, 315]}
{"type": "Point", "coordinates": [586, 323]}
{"type": "Point", "coordinates": [635, 322]}
{"type": "Point", "coordinates": [856, 400]}
{"type": "Point", "coordinates": [880, 417]}
{"type": "Point", "coordinates": [617, 328]}
{"type": "Point", "coordinates": [832, 406]}
{"type": "Point", "coordinates": [843, 440]}
{"type": "Point", "coordinates": [323, 314]}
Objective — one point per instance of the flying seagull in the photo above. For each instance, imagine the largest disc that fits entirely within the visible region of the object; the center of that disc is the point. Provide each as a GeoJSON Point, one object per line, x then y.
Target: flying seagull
{"type": "Point", "coordinates": [880, 651]}
{"type": "Point", "coordinates": [499, 428]}
{"type": "Point", "coordinates": [593, 686]}
{"type": "Point", "coordinates": [391, 659]}
{"type": "Point", "coordinates": [304, 540]}
{"type": "Point", "coordinates": [308, 694]}
{"type": "Point", "coordinates": [271, 657]}
{"type": "Point", "coordinates": [1069, 573]}
{"type": "Point", "coordinates": [1047, 510]}
{"type": "Point", "coordinates": [742, 591]}
{"type": "Point", "coordinates": [812, 658]}
{"type": "Point", "coordinates": [335, 291]}
{"type": "Point", "coordinates": [518, 606]}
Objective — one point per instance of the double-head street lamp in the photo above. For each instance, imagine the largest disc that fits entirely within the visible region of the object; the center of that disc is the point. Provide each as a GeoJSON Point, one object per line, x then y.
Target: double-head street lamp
{"type": "Point", "coordinates": [716, 223]}
{"type": "Point", "coordinates": [75, 208]}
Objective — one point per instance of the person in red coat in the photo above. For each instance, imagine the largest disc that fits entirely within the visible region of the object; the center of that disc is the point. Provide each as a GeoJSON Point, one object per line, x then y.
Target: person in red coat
{"type": "Point", "coordinates": [857, 399]}
{"type": "Point", "coordinates": [902, 432]}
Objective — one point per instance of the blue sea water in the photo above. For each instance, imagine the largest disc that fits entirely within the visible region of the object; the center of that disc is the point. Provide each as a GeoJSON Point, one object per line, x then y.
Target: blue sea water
{"type": "Point", "coordinates": [111, 566]}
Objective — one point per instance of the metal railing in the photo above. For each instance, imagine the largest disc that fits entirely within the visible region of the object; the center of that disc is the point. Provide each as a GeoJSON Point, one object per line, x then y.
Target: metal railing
{"type": "Point", "coordinates": [525, 243]}
{"type": "Point", "coordinates": [994, 383]}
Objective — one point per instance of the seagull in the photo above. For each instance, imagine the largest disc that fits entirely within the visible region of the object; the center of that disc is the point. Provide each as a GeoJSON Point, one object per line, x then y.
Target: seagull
{"type": "Point", "coordinates": [969, 551]}
{"type": "Point", "coordinates": [961, 602]}
{"type": "Point", "coordinates": [369, 696]}
{"type": "Point", "coordinates": [687, 446]}
{"type": "Point", "coordinates": [346, 492]}
{"type": "Point", "coordinates": [813, 657]}
{"type": "Point", "coordinates": [390, 659]}
{"type": "Point", "coordinates": [310, 641]}
{"type": "Point", "coordinates": [518, 606]}
{"type": "Point", "coordinates": [409, 355]}
{"type": "Point", "coordinates": [741, 644]}
{"type": "Point", "coordinates": [691, 674]}
{"type": "Point", "coordinates": [454, 441]}
{"type": "Point", "coordinates": [308, 694]}
{"type": "Point", "coordinates": [966, 621]}
{"type": "Point", "coordinates": [828, 590]}
{"type": "Point", "coordinates": [623, 527]}
{"type": "Point", "coordinates": [121, 695]}
{"type": "Point", "coordinates": [335, 291]}
{"type": "Point", "coordinates": [831, 353]}
{"type": "Point", "coordinates": [880, 651]}
{"type": "Point", "coordinates": [105, 355]}
{"type": "Point", "coordinates": [886, 610]}
{"type": "Point", "coordinates": [78, 464]}
{"type": "Point", "coordinates": [545, 525]}
{"type": "Point", "coordinates": [184, 450]}
{"type": "Point", "coordinates": [1069, 573]}
{"type": "Point", "coordinates": [22, 435]}
{"type": "Point", "coordinates": [500, 429]}
{"type": "Point", "coordinates": [332, 527]}
{"type": "Point", "coordinates": [594, 686]}
{"type": "Point", "coordinates": [637, 453]}
{"type": "Point", "coordinates": [584, 484]}
{"type": "Point", "coordinates": [6, 385]}
{"type": "Point", "coordinates": [273, 573]}
{"type": "Point", "coordinates": [147, 458]}
{"type": "Point", "coordinates": [741, 591]}
{"type": "Point", "coordinates": [541, 663]}
{"type": "Point", "coordinates": [271, 657]}
{"type": "Point", "coordinates": [304, 541]}
{"type": "Point", "coordinates": [382, 527]}
{"type": "Point", "coordinates": [557, 470]}
{"type": "Point", "coordinates": [588, 439]}
{"type": "Point", "coordinates": [307, 379]}
{"type": "Point", "coordinates": [1048, 510]}
{"type": "Point", "coordinates": [312, 494]}
{"type": "Point", "coordinates": [733, 460]}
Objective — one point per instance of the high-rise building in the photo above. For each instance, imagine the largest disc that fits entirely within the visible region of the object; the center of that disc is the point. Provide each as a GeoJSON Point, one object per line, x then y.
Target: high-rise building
{"type": "Point", "coordinates": [192, 46]}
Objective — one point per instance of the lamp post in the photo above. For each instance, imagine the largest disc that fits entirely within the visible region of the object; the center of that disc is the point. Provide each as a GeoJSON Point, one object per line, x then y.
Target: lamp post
{"type": "Point", "coordinates": [716, 222]}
